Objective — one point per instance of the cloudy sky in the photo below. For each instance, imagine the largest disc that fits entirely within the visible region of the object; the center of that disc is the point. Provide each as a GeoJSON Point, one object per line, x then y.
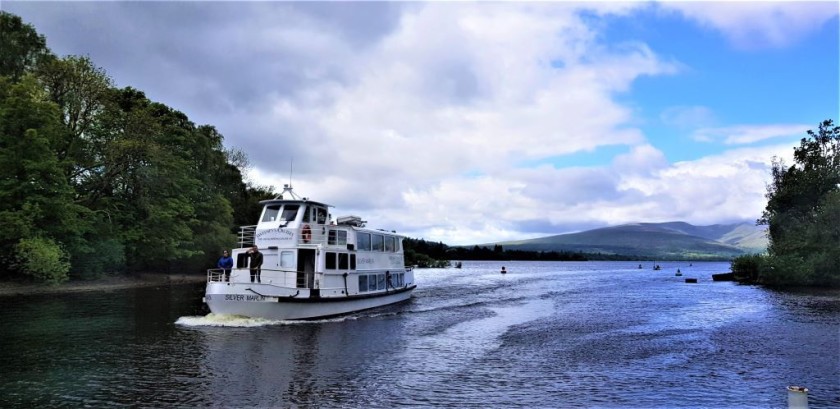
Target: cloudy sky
{"type": "Point", "coordinates": [478, 122]}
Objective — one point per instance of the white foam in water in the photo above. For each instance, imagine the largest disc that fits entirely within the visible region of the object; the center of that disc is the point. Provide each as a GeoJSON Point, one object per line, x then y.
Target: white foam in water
{"type": "Point", "coordinates": [225, 320]}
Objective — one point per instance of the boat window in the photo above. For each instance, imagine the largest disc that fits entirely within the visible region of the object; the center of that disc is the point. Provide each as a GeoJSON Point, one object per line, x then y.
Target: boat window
{"type": "Point", "coordinates": [372, 282]}
{"type": "Point", "coordinates": [343, 261]}
{"type": "Point", "coordinates": [322, 216]}
{"type": "Point", "coordinates": [337, 237]}
{"type": "Point", "coordinates": [352, 261]}
{"type": "Point", "coordinates": [287, 259]}
{"type": "Point", "coordinates": [397, 280]}
{"type": "Point", "coordinates": [380, 281]}
{"type": "Point", "coordinates": [330, 261]}
{"type": "Point", "coordinates": [289, 212]}
{"type": "Point", "coordinates": [397, 244]}
{"type": "Point", "coordinates": [377, 242]}
{"type": "Point", "coordinates": [363, 241]}
{"type": "Point", "coordinates": [363, 283]}
{"type": "Point", "coordinates": [389, 244]}
{"type": "Point", "coordinates": [270, 213]}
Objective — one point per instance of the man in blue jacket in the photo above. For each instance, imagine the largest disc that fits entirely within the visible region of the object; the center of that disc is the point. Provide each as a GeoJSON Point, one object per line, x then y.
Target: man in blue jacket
{"type": "Point", "coordinates": [225, 263]}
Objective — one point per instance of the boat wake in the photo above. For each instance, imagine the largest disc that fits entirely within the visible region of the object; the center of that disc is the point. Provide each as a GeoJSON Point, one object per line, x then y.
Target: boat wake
{"type": "Point", "coordinates": [228, 320]}
{"type": "Point", "coordinates": [225, 320]}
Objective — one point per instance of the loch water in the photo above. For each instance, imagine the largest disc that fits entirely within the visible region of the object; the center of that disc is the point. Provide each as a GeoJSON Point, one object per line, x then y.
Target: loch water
{"type": "Point", "coordinates": [544, 335]}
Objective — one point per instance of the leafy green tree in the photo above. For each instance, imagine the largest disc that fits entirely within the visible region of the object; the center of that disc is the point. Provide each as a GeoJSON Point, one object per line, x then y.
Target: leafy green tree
{"type": "Point", "coordinates": [35, 199]}
{"type": "Point", "coordinates": [802, 213]}
{"type": "Point", "coordinates": [95, 179]}
{"type": "Point", "coordinates": [41, 258]}
{"type": "Point", "coordinates": [21, 47]}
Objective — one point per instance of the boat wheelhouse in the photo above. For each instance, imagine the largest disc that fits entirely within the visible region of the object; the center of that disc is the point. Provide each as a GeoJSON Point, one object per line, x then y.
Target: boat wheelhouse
{"type": "Point", "coordinates": [313, 266]}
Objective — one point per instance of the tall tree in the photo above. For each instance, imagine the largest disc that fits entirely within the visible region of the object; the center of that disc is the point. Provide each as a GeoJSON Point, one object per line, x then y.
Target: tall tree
{"type": "Point", "coordinates": [801, 213]}
{"type": "Point", "coordinates": [36, 206]}
{"type": "Point", "coordinates": [21, 47]}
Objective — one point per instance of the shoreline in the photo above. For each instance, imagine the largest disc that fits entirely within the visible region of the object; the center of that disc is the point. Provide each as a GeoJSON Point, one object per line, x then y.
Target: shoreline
{"type": "Point", "coordinates": [10, 288]}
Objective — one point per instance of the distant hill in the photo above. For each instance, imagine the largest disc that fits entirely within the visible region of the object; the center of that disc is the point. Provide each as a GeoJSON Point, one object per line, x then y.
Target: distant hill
{"type": "Point", "coordinates": [661, 241]}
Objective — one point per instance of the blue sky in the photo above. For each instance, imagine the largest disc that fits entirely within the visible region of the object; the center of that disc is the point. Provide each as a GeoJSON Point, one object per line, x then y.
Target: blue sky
{"type": "Point", "coordinates": [487, 121]}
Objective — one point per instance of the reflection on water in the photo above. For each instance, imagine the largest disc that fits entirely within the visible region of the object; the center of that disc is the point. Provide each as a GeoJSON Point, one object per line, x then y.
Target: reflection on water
{"type": "Point", "coordinates": [543, 335]}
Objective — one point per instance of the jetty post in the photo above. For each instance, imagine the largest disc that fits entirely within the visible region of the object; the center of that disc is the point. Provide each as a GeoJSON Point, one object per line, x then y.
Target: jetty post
{"type": "Point", "coordinates": [797, 397]}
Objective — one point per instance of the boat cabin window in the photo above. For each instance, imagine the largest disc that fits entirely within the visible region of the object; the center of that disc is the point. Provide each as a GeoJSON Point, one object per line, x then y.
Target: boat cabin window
{"type": "Point", "coordinates": [287, 259]}
{"type": "Point", "coordinates": [289, 213]}
{"type": "Point", "coordinates": [270, 213]}
{"type": "Point", "coordinates": [377, 242]}
{"type": "Point", "coordinates": [373, 282]}
{"type": "Point", "coordinates": [337, 237]}
{"type": "Point", "coordinates": [340, 261]}
{"type": "Point", "coordinates": [389, 243]}
{"type": "Point", "coordinates": [363, 241]}
{"type": "Point", "coordinates": [314, 214]}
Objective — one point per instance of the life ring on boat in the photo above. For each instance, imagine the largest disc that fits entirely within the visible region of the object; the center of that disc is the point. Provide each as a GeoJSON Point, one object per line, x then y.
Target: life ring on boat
{"type": "Point", "coordinates": [306, 233]}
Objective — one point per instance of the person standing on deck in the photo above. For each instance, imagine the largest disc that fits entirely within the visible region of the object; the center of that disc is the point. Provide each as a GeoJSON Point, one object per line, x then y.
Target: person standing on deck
{"type": "Point", "coordinates": [225, 263]}
{"type": "Point", "coordinates": [256, 263]}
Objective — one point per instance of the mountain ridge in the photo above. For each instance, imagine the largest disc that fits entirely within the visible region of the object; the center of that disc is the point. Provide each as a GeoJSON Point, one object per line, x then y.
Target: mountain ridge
{"type": "Point", "coordinates": [669, 240]}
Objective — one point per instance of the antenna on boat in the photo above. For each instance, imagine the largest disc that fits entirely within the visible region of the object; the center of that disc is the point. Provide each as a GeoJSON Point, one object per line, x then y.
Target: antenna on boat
{"type": "Point", "coordinates": [287, 188]}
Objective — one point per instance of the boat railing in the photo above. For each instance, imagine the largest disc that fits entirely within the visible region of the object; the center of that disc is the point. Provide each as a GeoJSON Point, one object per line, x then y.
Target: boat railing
{"type": "Point", "coordinates": [276, 277]}
{"type": "Point", "coordinates": [247, 235]}
{"type": "Point", "coordinates": [215, 275]}
{"type": "Point", "coordinates": [311, 234]}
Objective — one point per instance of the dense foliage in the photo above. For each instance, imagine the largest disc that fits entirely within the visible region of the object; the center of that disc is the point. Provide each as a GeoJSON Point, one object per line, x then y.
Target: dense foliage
{"type": "Point", "coordinates": [803, 214]}
{"type": "Point", "coordinates": [94, 179]}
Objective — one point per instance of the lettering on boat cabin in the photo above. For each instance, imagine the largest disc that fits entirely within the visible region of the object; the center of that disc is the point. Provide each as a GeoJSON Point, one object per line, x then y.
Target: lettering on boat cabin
{"type": "Point", "coordinates": [243, 297]}
{"type": "Point", "coordinates": [278, 234]}
{"type": "Point", "coordinates": [364, 260]}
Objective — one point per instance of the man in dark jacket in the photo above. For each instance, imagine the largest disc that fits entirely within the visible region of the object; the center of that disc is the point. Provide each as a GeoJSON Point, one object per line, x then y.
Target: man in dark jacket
{"type": "Point", "coordinates": [256, 263]}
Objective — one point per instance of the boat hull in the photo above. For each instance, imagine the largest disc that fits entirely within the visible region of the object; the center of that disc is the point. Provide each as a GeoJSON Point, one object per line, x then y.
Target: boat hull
{"type": "Point", "coordinates": [258, 302]}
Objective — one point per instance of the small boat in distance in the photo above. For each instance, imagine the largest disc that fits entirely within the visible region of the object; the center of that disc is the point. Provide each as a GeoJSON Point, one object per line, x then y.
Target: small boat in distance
{"type": "Point", "coordinates": [312, 267]}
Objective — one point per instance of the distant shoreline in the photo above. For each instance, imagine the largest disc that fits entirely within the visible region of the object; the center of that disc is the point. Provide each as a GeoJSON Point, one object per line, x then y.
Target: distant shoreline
{"type": "Point", "coordinates": [11, 288]}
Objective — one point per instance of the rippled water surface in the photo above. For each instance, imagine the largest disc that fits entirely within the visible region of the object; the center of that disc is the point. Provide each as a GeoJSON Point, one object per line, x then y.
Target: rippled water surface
{"type": "Point", "coordinates": [545, 335]}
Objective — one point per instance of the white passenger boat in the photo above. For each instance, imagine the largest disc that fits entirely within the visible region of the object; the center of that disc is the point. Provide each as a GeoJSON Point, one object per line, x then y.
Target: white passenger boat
{"type": "Point", "coordinates": [313, 266]}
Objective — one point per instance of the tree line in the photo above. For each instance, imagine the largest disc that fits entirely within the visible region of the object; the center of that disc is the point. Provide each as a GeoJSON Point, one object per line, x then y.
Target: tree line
{"type": "Point", "coordinates": [423, 253]}
{"type": "Point", "coordinates": [96, 179]}
{"type": "Point", "coordinates": [802, 216]}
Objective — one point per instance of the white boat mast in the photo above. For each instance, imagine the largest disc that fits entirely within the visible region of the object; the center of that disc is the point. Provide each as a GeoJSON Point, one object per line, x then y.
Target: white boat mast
{"type": "Point", "coordinates": [292, 195]}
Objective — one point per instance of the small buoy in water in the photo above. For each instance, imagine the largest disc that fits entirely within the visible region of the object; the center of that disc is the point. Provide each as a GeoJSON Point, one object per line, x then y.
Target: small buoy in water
{"type": "Point", "coordinates": [678, 272]}
{"type": "Point", "coordinates": [503, 270]}
{"type": "Point", "coordinates": [691, 280]}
